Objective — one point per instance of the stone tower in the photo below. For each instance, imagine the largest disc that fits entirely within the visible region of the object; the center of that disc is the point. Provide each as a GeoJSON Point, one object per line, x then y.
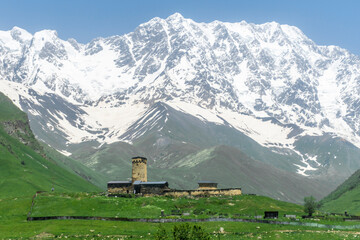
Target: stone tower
{"type": "Point", "coordinates": [139, 170]}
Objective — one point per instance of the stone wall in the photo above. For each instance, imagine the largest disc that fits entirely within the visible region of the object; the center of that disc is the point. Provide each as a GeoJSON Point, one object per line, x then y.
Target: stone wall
{"type": "Point", "coordinates": [203, 192]}
{"type": "Point", "coordinates": [146, 190]}
{"type": "Point", "coordinates": [116, 190]}
{"type": "Point", "coordinates": [207, 186]}
{"type": "Point", "coordinates": [158, 191]}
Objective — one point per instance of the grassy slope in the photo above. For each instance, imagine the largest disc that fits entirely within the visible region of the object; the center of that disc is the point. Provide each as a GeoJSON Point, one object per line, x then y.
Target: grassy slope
{"type": "Point", "coordinates": [110, 160]}
{"type": "Point", "coordinates": [71, 165]}
{"type": "Point", "coordinates": [150, 207]}
{"type": "Point", "coordinates": [346, 197]}
{"type": "Point", "coordinates": [23, 169]}
{"type": "Point", "coordinates": [9, 111]}
{"type": "Point", "coordinates": [236, 169]}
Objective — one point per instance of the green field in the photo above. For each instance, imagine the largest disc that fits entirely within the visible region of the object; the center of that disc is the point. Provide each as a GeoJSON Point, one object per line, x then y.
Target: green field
{"type": "Point", "coordinates": [83, 204]}
{"type": "Point", "coordinates": [13, 212]}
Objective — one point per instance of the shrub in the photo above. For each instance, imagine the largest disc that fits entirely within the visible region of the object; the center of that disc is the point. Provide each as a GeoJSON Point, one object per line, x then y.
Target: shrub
{"type": "Point", "coordinates": [183, 232]}
{"type": "Point", "coordinates": [186, 232]}
{"type": "Point", "coordinates": [198, 233]}
{"type": "Point", "coordinates": [161, 233]}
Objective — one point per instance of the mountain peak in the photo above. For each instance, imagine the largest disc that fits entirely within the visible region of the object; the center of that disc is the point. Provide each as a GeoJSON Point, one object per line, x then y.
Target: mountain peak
{"type": "Point", "coordinates": [20, 34]}
{"type": "Point", "coordinates": [47, 32]}
{"type": "Point", "coordinates": [175, 18]}
{"type": "Point", "coordinates": [46, 35]}
{"type": "Point", "coordinates": [16, 28]}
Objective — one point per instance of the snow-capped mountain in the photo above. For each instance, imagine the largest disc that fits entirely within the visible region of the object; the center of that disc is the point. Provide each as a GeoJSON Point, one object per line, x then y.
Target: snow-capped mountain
{"type": "Point", "coordinates": [269, 82]}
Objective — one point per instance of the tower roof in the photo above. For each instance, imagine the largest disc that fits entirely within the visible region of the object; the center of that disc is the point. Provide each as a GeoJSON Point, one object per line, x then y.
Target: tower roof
{"type": "Point", "coordinates": [139, 157]}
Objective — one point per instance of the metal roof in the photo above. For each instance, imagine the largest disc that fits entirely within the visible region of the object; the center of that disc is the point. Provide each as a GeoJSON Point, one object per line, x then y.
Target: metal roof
{"type": "Point", "coordinates": [119, 182]}
{"type": "Point", "coordinates": [138, 182]}
{"type": "Point", "coordinates": [153, 183]}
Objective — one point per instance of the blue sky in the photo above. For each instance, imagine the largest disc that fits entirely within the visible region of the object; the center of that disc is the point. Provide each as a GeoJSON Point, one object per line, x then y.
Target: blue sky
{"type": "Point", "coordinates": [327, 22]}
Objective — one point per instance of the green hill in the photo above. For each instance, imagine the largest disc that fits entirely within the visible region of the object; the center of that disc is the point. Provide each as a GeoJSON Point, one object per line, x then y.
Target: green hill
{"type": "Point", "coordinates": [346, 197]}
{"type": "Point", "coordinates": [24, 167]}
{"type": "Point", "coordinates": [76, 167]}
{"type": "Point", "coordinates": [83, 204]}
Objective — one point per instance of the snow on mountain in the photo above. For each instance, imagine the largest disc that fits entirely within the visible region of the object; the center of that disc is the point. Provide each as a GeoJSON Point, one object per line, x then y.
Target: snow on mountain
{"type": "Point", "coordinates": [259, 79]}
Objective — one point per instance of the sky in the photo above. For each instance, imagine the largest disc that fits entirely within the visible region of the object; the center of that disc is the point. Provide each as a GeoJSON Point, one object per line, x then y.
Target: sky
{"type": "Point", "coordinates": [326, 22]}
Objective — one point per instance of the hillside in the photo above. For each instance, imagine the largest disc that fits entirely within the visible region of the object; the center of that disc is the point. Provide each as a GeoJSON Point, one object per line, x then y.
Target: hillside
{"type": "Point", "coordinates": [76, 167]}
{"type": "Point", "coordinates": [346, 197]}
{"type": "Point", "coordinates": [24, 168]}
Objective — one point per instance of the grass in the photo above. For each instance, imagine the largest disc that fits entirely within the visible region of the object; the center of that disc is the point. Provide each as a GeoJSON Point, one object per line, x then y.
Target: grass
{"type": "Point", "coordinates": [245, 206]}
{"type": "Point", "coordinates": [74, 166]}
{"type": "Point", "coordinates": [23, 171]}
{"type": "Point", "coordinates": [13, 224]}
{"type": "Point", "coordinates": [349, 202]}
{"type": "Point", "coordinates": [9, 111]}
{"type": "Point", "coordinates": [84, 204]}
{"type": "Point", "coordinates": [345, 197]}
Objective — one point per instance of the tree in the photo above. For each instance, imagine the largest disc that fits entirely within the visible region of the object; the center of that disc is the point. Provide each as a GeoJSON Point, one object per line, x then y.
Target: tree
{"type": "Point", "coordinates": [310, 205]}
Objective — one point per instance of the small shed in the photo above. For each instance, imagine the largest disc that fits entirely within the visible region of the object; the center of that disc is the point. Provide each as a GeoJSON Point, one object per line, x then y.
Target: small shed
{"type": "Point", "coordinates": [207, 185]}
{"type": "Point", "coordinates": [271, 214]}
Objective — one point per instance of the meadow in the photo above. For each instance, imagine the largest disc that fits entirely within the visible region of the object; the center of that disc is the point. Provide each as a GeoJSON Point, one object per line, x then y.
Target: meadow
{"type": "Point", "coordinates": [13, 213]}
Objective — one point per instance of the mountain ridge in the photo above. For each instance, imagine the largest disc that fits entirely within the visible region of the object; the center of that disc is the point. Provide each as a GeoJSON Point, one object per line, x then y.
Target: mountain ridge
{"type": "Point", "coordinates": [268, 82]}
{"type": "Point", "coordinates": [209, 89]}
